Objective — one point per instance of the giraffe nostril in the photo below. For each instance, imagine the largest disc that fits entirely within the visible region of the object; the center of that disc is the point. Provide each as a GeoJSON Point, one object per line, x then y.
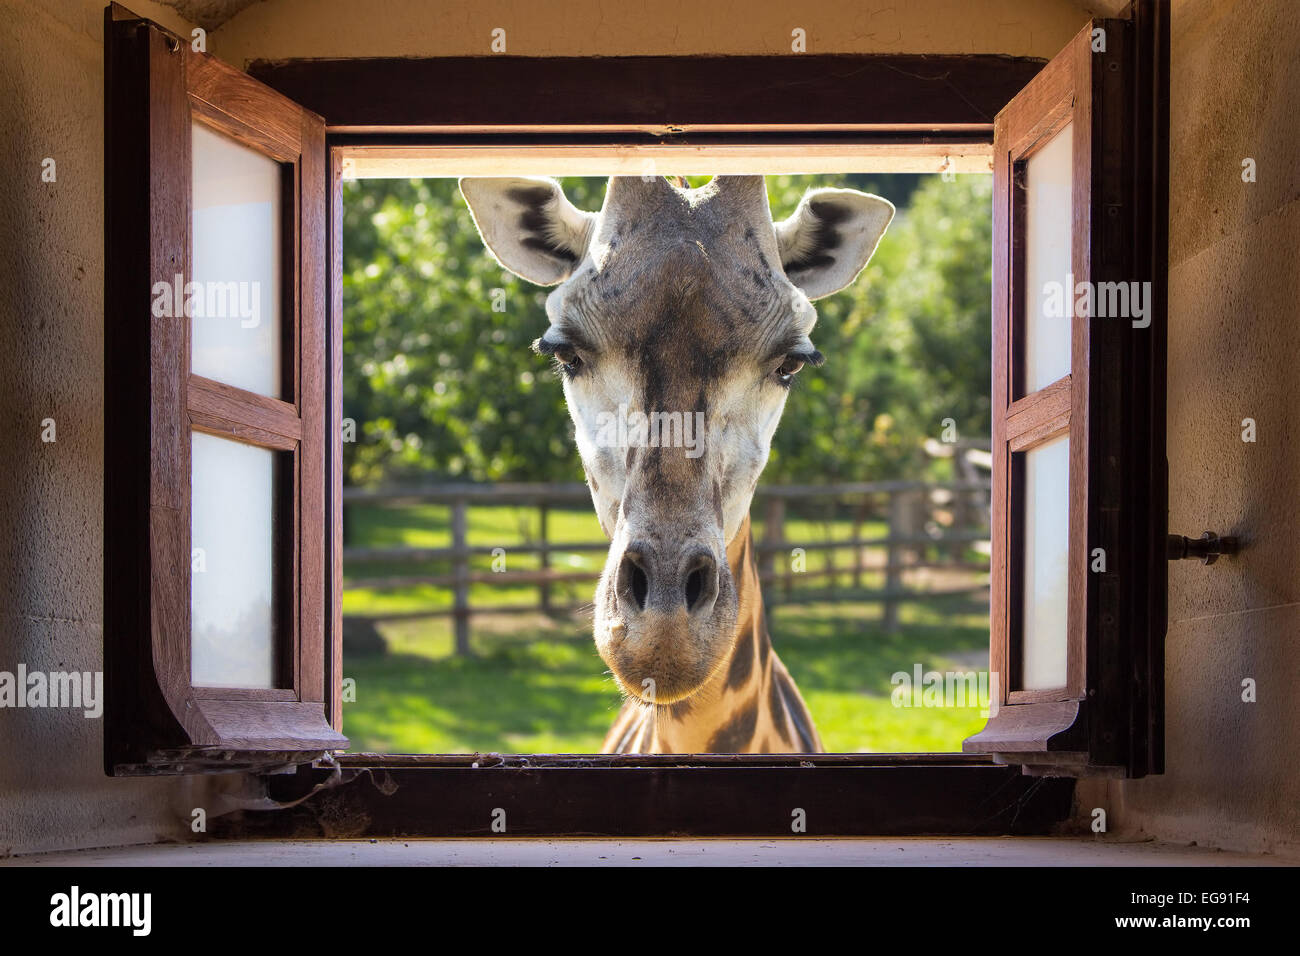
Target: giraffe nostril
{"type": "Point", "coordinates": [640, 586]}
{"type": "Point", "coordinates": [633, 581]}
{"type": "Point", "coordinates": [701, 581]}
{"type": "Point", "coordinates": [694, 587]}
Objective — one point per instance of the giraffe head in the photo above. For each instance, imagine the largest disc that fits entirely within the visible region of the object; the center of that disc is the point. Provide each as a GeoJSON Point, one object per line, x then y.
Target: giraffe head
{"type": "Point", "coordinates": [678, 320]}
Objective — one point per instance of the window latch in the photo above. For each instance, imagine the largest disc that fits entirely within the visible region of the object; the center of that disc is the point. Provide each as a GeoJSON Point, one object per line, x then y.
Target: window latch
{"type": "Point", "coordinates": [1207, 547]}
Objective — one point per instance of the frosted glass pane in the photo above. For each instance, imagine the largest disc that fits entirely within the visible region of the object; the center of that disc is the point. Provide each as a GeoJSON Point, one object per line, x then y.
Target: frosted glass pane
{"type": "Point", "coordinates": [1046, 567]}
{"type": "Point", "coordinates": [1048, 307]}
{"type": "Point", "coordinates": [235, 237]}
{"type": "Point", "coordinates": [232, 588]}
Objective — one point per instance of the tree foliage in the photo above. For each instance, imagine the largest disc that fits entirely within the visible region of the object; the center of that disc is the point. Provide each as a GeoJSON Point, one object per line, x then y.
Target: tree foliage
{"type": "Point", "coordinates": [443, 386]}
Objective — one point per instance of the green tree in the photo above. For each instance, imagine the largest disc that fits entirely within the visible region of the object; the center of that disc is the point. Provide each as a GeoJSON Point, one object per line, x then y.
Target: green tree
{"type": "Point", "coordinates": [439, 382]}
{"type": "Point", "coordinates": [907, 344]}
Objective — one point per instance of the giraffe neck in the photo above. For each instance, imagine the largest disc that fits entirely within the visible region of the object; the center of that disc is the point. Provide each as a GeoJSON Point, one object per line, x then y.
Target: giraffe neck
{"type": "Point", "coordinates": [749, 705]}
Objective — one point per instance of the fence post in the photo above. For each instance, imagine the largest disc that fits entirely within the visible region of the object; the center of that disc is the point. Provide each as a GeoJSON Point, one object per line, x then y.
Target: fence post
{"type": "Point", "coordinates": [905, 545]}
{"type": "Point", "coordinates": [773, 536]}
{"type": "Point", "coordinates": [460, 600]}
{"type": "Point", "coordinates": [894, 559]}
{"type": "Point", "coordinates": [961, 521]}
{"type": "Point", "coordinates": [830, 552]}
{"type": "Point", "coordinates": [857, 548]}
{"type": "Point", "coordinates": [544, 557]}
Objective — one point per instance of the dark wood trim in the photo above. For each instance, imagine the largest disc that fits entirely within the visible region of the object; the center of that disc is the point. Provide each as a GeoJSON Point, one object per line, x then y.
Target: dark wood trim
{"type": "Point", "coordinates": [271, 124]}
{"type": "Point", "coordinates": [252, 112]}
{"type": "Point", "coordinates": [1033, 433]}
{"type": "Point", "coordinates": [244, 693]}
{"type": "Point", "coordinates": [251, 136]}
{"type": "Point", "coordinates": [251, 725]}
{"type": "Point", "coordinates": [1054, 428]}
{"type": "Point", "coordinates": [287, 544]}
{"type": "Point", "coordinates": [1048, 104]}
{"type": "Point", "coordinates": [1038, 696]}
{"type": "Point", "coordinates": [1059, 97]}
{"type": "Point", "coordinates": [1145, 598]}
{"type": "Point", "coordinates": [154, 716]}
{"type": "Point", "coordinates": [1027, 413]}
{"type": "Point", "coordinates": [373, 761]}
{"type": "Point", "coordinates": [1107, 720]}
{"type": "Point", "coordinates": [1004, 535]}
{"type": "Point", "coordinates": [768, 100]}
{"type": "Point", "coordinates": [1039, 726]}
{"type": "Point", "coordinates": [222, 402]}
{"type": "Point", "coordinates": [312, 278]}
{"type": "Point", "coordinates": [919, 95]}
{"type": "Point", "coordinates": [238, 431]}
{"type": "Point", "coordinates": [333, 536]}
{"type": "Point", "coordinates": [139, 540]}
{"type": "Point", "coordinates": [598, 797]}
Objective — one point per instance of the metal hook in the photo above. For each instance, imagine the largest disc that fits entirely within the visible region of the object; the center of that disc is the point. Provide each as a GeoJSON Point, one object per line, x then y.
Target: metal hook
{"type": "Point", "coordinates": [1208, 547]}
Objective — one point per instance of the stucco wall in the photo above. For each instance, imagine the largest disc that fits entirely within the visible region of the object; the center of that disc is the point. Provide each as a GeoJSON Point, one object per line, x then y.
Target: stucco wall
{"type": "Point", "coordinates": [324, 28]}
{"type": "Point", "coordinates": [1233, 768]}
{"type": "Point", "coordinates": [53, 792]}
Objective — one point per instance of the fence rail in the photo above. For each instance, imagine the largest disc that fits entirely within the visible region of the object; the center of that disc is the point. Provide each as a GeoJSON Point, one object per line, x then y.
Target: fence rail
{"type": "Point", "coordinates": [916, 540]}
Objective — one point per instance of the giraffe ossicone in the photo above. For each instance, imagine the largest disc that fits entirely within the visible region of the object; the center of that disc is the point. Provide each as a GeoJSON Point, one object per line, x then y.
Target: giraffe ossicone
{"type": "Point", "coordinates": [679, 318]}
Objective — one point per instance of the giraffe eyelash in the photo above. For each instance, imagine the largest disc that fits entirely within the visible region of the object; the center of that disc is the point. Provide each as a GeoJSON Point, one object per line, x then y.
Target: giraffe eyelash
{"type": "Point", "coordinates": [795, 361]}
{"type": "Point", "coordinates": [568, 369]}
{"type": "Point", "coordinates": [567, 360]}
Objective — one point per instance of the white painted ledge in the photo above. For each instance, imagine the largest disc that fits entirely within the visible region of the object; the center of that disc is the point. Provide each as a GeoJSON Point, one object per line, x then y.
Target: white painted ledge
{"type": "Point", "coordinates": [922, 851]}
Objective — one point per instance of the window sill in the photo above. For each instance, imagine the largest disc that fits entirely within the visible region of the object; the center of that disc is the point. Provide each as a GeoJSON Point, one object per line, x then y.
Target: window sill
{"type": "Point", "coordinates": [380, 796]}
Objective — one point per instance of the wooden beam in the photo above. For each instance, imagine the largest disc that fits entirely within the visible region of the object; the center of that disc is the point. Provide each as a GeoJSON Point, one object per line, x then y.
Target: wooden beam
{"type": "Point", "coordinates": [634, 795]}
{"type": "Point", "coordinates": [912, 94]}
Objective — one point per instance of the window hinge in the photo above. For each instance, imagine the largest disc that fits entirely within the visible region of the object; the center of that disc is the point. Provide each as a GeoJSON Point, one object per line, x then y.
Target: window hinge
{"type": "Point", "coordinates": [1207, 547]}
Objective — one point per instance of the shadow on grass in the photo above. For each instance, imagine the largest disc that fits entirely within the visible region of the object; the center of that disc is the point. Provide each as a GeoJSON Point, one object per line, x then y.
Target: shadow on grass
{"type": "Point", "coordinates": [542, 688]}
{"type": "Point", "coordinates": [524, 696]}
{"type": "Point", "coordinates": [844, 647]}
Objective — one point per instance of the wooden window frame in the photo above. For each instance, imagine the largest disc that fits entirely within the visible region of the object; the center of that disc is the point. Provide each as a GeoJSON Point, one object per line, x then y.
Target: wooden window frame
{"type": "Point", "coordinates": [1058, 97]}
{"type": "Point", "coordinates": [911, 108]}
{"type": "Point", "coordinates": [156, 719]}
{"type": "Point", "coordinates": [931, 105]}
{"type": "Point", "coordinates": [1107, 719]}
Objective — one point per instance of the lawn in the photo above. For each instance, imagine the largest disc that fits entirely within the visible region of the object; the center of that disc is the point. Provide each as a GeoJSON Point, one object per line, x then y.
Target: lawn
{"type": "Point", "coordinates": [536, 685]}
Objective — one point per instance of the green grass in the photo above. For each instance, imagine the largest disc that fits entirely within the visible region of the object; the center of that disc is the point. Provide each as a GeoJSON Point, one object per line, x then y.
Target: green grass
{"type": "Point", "coordinates": [536, 685]}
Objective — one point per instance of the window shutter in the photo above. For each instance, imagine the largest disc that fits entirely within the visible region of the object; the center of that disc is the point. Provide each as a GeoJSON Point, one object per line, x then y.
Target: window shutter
{"type": "Point", "coordinates": [1079, 482]}
{"type": "Point", "coordinates": [214, 636]}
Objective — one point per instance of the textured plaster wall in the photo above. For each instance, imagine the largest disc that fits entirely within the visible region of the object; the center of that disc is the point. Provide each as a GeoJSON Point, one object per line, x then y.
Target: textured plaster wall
{"type": "Point", "coordinates": [328, 28]}
{"type": "Point", "coordinates": [1233, 777]}
{"type": "Point", "coordinates": [53, 792]}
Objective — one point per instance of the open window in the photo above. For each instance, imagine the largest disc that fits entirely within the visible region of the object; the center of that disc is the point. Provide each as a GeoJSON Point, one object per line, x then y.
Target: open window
{"type": "Point", "coordinates": [1079, 484]}
{"type": "Point", "coordinates": [214, 415]}
{"type": "Point", "coordinates": [202, 447]}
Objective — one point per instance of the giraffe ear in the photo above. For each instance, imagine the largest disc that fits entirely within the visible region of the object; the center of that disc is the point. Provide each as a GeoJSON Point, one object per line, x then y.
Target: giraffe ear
{"type": "Point", "coordinates": [830, 238]}
{"type": "Point", "coordinates": [529, 226]}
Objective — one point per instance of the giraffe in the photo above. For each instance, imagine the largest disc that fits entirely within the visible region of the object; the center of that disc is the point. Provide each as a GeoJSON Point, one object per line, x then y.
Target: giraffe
{"type": "Point", "coordinates": [678, 322]}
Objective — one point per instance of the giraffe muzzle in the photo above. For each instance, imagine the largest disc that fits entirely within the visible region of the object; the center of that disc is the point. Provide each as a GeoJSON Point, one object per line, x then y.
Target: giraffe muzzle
{"type": "Point", "coordinates": [665, 620]}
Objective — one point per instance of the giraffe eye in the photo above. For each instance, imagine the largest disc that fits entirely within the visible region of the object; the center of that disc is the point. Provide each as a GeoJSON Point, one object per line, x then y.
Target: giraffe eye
{"type": "Point", "coordinates": [788, 369]}
{"type": "Point", "coordinates": [567, 359]}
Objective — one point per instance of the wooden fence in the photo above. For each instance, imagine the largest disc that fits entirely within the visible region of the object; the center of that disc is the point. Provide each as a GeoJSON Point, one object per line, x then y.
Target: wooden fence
{"type": "Point", "coordinates": [931, 525]}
